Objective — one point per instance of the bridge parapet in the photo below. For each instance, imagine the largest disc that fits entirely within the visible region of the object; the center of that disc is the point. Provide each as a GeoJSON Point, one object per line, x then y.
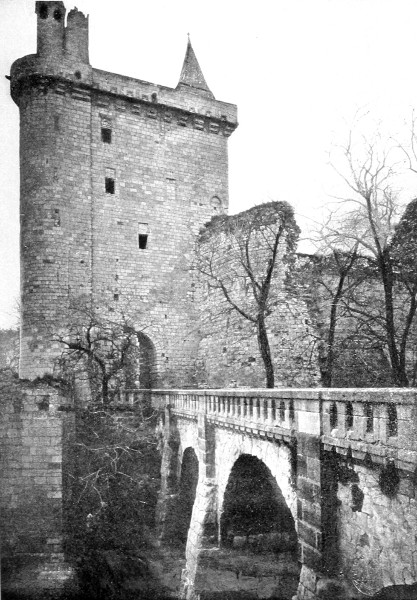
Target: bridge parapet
{"type": "Point", "coordinates": [379, 424]}
{"type": "Point", "coordinates": [273, 413]}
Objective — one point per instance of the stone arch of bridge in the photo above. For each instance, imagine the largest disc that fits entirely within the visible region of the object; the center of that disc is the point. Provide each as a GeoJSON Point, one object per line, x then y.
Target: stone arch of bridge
{"type": "Point", "coordinates": [254, 507]}
{"type": "Point", "coordinates": [275, 456]}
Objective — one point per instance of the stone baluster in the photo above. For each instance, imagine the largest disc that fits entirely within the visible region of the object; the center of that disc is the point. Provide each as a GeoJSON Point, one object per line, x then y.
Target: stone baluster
{"type": "Point", "coordinates": [256, 410]}
{"type": "Point", "coordinates": [269, 419]}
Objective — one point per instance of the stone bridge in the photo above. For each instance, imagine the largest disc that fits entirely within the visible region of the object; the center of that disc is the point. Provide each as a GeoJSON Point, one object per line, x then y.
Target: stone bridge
{"type": "Point", "coordinates": [341, 467]}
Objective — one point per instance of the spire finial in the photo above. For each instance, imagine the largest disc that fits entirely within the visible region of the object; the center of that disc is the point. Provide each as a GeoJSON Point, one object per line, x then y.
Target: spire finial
{"type": "Point", "coordinates": [191, 74]}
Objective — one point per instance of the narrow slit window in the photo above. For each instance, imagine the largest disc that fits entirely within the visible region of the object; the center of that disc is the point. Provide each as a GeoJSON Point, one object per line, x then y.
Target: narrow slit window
{"type": "Point", "coordinates": [143, 241]}
{"type": "Point", "coordinates": [106, 135]}
{"type": "Point", "coordinates": [110, 185]}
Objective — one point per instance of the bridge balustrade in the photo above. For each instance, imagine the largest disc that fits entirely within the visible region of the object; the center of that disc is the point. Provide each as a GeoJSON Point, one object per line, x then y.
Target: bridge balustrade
{"type": "Point", "coordinates": [379, 422]}
{"type": "Point", "coordinates": [129, 397]}
{"type": "Point", "coordinates": [266, 412]}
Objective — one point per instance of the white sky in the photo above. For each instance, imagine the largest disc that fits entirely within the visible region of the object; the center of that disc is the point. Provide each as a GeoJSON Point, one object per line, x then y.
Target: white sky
{"type": "Point", "coordinates": [297, 69]}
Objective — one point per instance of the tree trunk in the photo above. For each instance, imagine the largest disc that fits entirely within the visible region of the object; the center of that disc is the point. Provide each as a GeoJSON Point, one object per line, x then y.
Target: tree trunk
{"type": "Point", "coordinates": [265, 351]}
{"type": "Point", "coordinates": [398, 370]}
{"type": "Point", "coordinates": [328, 376]}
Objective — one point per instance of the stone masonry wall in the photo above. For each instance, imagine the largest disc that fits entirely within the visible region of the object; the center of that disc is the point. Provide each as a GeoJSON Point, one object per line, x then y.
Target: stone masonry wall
{"type": "Point", "coordinates": [31, 450]}
{"type": "Point", "coordinates": [377, 536]}
{"type": "Point", "coordinates": [360, 353]}
{"type": "Point", "coordinates": [117, 177]}
{"type": "Point", "coordinates": [229, 355]}
{"type": "Point", "coordinates": [55, 217]}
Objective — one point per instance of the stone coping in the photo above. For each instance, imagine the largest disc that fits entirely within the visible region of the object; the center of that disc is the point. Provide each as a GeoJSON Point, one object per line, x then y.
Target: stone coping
{"type": "Point", "coordinates": [381, 395]}
{"type": "Point", "coordinates": [66, 69]}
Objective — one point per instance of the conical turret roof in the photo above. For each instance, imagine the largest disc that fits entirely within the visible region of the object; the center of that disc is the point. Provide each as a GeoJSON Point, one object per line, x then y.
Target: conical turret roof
{"type": "Point", "coordinates": [191, 74]}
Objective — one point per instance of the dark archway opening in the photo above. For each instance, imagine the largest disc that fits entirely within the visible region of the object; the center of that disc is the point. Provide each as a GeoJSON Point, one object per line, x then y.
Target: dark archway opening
{"type": "Point", "coordinates": [254, 506]}
{"type": "Point", "coordinates": [147, 363]}
{"type": "Point", "coordinates": [186, 496]}
{"type": "Point", "coordinates": [258, 554]}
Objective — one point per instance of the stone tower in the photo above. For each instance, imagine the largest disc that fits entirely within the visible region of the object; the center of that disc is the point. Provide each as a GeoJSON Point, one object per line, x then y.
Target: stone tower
{"type": "Point", "coordinates": [117, 177]}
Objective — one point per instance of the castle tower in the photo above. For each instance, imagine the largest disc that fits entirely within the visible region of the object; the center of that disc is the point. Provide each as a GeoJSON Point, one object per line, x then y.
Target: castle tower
{"type": "Point", "coordinates": [117, 177]}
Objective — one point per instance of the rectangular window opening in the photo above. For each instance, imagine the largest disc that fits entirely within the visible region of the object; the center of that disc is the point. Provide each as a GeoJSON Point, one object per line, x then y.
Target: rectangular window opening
{"type": "Point", "coordinates": [143, 241]}
{"type": "Point", "coordinates": [110, 185]}
{"type": "Point", "coordinates": [106, 135]}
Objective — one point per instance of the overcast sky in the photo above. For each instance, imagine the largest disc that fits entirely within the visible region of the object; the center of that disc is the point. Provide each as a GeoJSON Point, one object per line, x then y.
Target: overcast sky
{"type": "Point", "coordinates": [298, 71]}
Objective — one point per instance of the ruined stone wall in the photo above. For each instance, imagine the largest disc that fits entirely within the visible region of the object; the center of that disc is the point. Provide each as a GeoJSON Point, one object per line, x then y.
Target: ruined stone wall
{"type": "Point", "coordinates": [32, 437]}
{"type": "Point", "coordinates": [360, 355]}
{"type": "Point", "coordinates": [229, 354]}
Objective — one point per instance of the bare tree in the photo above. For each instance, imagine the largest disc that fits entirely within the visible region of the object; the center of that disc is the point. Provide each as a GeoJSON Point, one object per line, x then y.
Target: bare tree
{"type": "Point", "coordinates": [334, 277]}
{"type": "Point", "coordinates": [101, 345]}
{"type": "Point", "coordinates": [365, 224]}
{"type": "Point", "coordinates": [249, 251]}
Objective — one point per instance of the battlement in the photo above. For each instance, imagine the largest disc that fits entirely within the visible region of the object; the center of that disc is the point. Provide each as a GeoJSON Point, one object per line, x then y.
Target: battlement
{"type": "Point", "coordinates": [62, 63]}
{"type": "Point", "coordinates": [185, 106]}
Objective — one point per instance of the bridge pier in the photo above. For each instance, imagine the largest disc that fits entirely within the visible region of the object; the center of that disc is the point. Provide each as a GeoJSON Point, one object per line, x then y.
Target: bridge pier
{"type": "Point", "coordinates": [317, 506]}
{"type": "Point", "coordinates": [168, 494]}
{"type": "Point", "coordinates": [202, 533]}
{"type": "Point", "coordinates": [204, 530]}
